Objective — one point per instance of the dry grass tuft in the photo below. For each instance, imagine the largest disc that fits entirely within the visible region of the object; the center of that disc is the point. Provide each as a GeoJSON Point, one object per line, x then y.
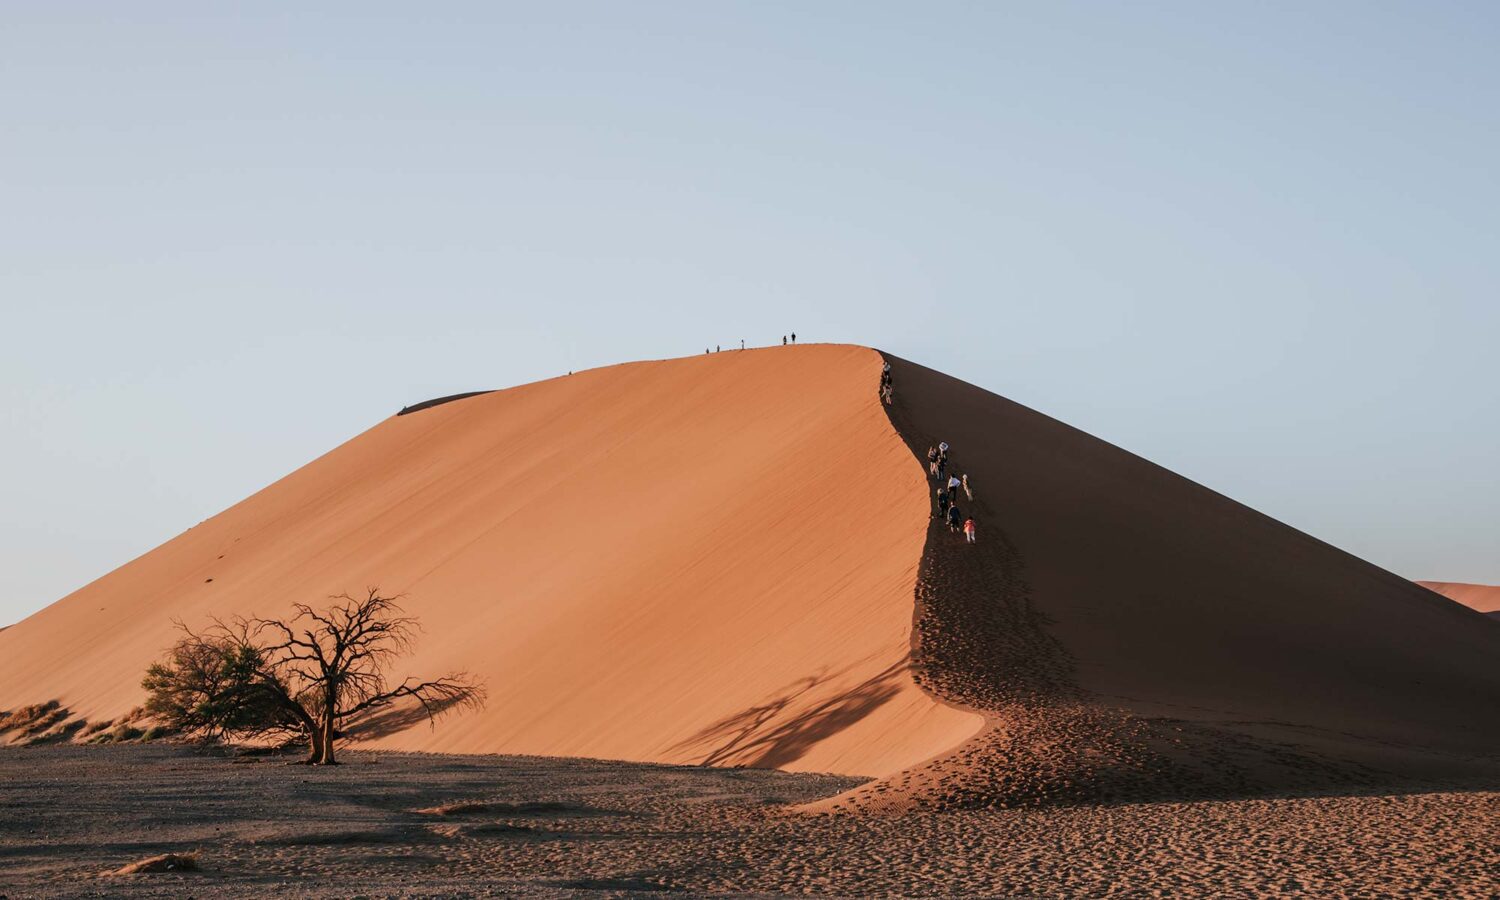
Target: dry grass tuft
{"type": "Point", "coordinates": [27, 717]}
{"type": "Point", "coordinates": [167, 862]}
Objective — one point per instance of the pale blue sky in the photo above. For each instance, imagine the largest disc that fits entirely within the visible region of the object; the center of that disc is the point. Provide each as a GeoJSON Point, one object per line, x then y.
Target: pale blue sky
{"type": "Point", "coordinates": [1257, 243]}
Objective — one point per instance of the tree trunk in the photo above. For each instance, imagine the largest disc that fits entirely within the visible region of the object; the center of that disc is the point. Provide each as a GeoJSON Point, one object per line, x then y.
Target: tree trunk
{"type": "Point", "coordinates": [329, 708]}
{"type": "Point", "coordinates": [314, 744]}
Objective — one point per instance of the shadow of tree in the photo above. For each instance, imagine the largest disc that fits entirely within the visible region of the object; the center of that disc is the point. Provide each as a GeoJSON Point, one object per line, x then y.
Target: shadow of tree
{"type": "Point", "coordinates": [394, 719]}
{"type": "Point", "coordinates": [770, 735]}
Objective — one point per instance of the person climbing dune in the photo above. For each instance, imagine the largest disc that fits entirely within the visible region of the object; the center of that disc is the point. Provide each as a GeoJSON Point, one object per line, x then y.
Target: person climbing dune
{"type": "Point", "coordinates": [954, 518]}
{"type": "Point", "coordinates": [932, 461]}
{"type": "Point", "coordinates": [965, 483]}
{"type": "Point", "coordinates": [969, 529]}
{"type": "Point", "coordinates": [942, 498]}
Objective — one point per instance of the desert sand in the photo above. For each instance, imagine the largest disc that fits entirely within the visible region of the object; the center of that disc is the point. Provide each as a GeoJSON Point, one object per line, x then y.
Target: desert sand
{"type": "Point", "coordinates": [1483, 598]}
{"type": "Point", "coordinates": [730, 560]}
{"type": "Point", "coordinates": [428, 825]}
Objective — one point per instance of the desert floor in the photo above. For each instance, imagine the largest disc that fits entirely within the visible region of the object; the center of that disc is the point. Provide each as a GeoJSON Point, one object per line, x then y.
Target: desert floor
{"type": "Point", "coordinates": [585, 828]}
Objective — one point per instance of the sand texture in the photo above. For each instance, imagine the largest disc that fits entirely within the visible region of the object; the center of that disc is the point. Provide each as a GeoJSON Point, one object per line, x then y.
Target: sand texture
{"type": "Point", "coordinates": [576, 828]}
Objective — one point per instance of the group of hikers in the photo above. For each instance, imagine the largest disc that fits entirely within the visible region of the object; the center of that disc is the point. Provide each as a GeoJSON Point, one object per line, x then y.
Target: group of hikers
{"type": "Point", "coordinates": [949, 484]}
{"type": "Point", "coordinates": [742, 344]}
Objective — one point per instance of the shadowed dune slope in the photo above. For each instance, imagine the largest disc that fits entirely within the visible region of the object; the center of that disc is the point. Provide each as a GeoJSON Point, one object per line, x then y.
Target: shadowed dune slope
{"type": "Point", "coordinates": [1107, 588]}
{"type": "Point", "coordinates": [1483, 598]}
{"type": "Point", "coordinates": [709, 559]}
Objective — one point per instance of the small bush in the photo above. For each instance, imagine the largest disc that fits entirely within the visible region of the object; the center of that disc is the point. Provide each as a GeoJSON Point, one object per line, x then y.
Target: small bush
{"type": "Point", "coordinates": [27, 716]}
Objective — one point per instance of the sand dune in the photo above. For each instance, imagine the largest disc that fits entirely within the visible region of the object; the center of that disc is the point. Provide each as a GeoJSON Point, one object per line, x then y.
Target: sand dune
{"type": "Point", "coordinates": [729, 559]}
{"type": "Point", "coordinates": [1129, 634]}
{"type": "Point", "coordinates": [702, 560]}
{"type": "Point", "coordinates": [1483, 598]}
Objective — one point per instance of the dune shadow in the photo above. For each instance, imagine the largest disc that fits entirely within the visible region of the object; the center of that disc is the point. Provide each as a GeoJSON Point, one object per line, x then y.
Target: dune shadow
{"type": "Point", "coordinates": [771, 735]}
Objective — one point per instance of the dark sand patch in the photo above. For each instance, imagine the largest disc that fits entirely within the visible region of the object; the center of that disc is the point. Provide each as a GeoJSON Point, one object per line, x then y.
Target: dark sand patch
{"type": "Point", "coordinates": [351, 830]}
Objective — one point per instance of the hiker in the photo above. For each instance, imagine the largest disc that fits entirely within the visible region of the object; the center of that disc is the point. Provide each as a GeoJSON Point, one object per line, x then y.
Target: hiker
{"type": "Point", "coordinates": [742, 343]}
{"type": "Point", "coordinates": [965, 483]}
{"type": "Point", "coordinates": [887, 394]}
{"type": "Point", "coordinates": [943, 447]}
{"type": "Point", "coordinates": [932, 461]}
{"type": "Point", "coordinates": [953, 485]}
{"type": "Point", "coordinates": [942, 502]}
{"type": "Point", "coordinates": [716, 348]}
{"type": "Point", "coordinates": [794, 337]}
{"type": "Point", "coordinates": [783, 340]}
{"type": "Point", "coordinates": [954, 517]}
{"type": "Point", "coordinates": [942, 465]}
{"type": "Point", "coordinates": [969, 529]}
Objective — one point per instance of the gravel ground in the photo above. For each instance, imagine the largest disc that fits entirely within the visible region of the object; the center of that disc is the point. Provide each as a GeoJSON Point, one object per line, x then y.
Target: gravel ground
{"type": "Point", "coordinates": [584, 828]}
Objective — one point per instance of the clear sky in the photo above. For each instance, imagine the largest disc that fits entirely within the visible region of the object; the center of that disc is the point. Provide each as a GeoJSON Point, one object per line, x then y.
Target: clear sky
{"type": "Point", "coordinates": [1256, 243]}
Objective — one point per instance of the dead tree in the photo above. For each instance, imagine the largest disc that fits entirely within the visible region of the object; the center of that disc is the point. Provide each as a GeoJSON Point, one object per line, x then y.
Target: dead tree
{"type": "Point", "coordinates": [333, 665]}
{"type": "Point", "coordinates": [310, 674]}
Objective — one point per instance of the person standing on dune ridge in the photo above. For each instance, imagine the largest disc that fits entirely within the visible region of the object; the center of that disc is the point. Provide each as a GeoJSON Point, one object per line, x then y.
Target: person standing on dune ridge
{"type": "Point", "coordinates": [794, 337]}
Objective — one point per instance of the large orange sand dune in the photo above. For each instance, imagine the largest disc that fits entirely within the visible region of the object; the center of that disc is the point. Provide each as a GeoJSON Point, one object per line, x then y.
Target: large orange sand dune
{"type": "Point", "coordinates": [706, 559]}
{"type": "Point", "coordinates": [728, 559]}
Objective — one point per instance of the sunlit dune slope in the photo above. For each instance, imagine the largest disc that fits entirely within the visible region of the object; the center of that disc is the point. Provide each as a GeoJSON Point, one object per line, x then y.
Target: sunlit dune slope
{"type": "Point", "coordinates": [1483, 598]}
{"type": "Point", "coordinates": [700, 560]}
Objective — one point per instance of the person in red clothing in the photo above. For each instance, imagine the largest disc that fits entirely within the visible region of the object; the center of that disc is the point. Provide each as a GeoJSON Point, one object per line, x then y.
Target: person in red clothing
{"type": "Point", "coordinates": [969, 529]}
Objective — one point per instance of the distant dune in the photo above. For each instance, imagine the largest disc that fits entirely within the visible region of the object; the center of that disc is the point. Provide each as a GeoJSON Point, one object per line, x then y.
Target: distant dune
{"type": "Point", "coordinates": [728, 559]}
{"type": "Point", "coordinates": [1483, 598]}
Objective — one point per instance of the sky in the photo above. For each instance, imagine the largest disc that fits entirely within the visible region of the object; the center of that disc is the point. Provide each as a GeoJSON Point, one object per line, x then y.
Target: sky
{"type": "Point", "coordinates": [1258, 244]}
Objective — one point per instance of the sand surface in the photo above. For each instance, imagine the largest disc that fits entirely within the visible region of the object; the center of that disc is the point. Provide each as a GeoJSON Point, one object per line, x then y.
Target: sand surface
{"type": "Point", "coordinates": [587, 829]}
{"type": "Point", "coordinates": [1483, 598]}
{"type": "Point", "coordinates": [701, 560]}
